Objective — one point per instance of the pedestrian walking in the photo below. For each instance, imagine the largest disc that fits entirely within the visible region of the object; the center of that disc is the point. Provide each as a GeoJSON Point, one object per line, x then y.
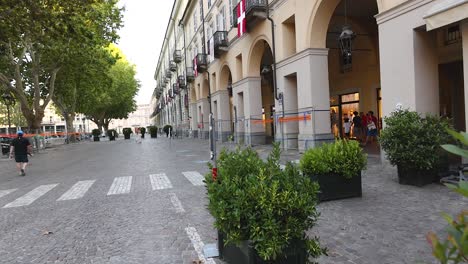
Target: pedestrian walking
{"type": "Point", "coordinates": [357, 126]}
{"type": "Point", "coordinates": [20, 148]}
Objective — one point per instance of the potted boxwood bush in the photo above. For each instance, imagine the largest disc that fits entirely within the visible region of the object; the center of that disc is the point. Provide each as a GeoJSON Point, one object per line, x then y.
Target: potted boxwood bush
{"type": "Point", "coordinates": [337, 169]}
{"type": "Point", "coordinates": [111, 133]}
{"type": "Point", "coordinates": [143, 132]}
{"type": "Point", "coordinates": [412, 143]}
{"type": "Point", "coordinates": [127, 132]}
{"type": "Point", "coordinates": [262, 212]}
{"type": "Point", "coordinates": [168, 129]}
{"type": "Point", "coordinates": [153, 130]}
{"type": "Point", "coordinates": [96, 134]}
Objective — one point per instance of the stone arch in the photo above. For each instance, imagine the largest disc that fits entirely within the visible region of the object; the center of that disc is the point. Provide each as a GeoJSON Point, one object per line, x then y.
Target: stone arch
{"type": "Point", "coordinates": [255, 55]}
{"type": "Point", "coordinates": [225, 75]}
{"type": "Point", "coordinates": [319, 21]}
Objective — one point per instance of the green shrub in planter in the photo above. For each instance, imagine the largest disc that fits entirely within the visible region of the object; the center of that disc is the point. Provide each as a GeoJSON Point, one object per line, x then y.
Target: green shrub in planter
{"type": "Point", "coordinates": [127, 132]}
{"type": "Point", "coordinates": [96, 134]}
{"type": "Point", "coordinates": [143, 132]}
{"type": "Point", "coordinates": [412, 143]}
{"type": "Point", "coordinates": [112, 134]}
{"type": "Point", "coordinates": [254, 202]}
{"type": "Point", "coordinates": [153, 130]}
{"type": "Point", "coordinates": [337, 169]}
{"type": "Point", "coordinates": [166, 129]}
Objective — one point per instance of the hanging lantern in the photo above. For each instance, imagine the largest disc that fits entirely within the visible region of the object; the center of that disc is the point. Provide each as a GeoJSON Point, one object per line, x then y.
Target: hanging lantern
{"type": "Point", "coordinates": [346, 46]}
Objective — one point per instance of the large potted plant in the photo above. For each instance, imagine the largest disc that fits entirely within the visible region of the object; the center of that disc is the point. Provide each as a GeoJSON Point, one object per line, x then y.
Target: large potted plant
{"type": "Point", "coordinates": [96, 134]}
{"type": "Point", "coordinates": [127, 132]}
{"type": "Point", "coordinates": [111, 133]}
{"type": "Point", "coordinates": [262, 212]}
{"type": "Point", "coordinates": [337, 169]}
{"type": "Point", "coordinates": [168, 130]}
{"type": "Point", "coordinates": [143, 132]}
{"type": "Point", "coordinates": [153, 130]}
{"type": "Point", "coordinates": [412, 143]}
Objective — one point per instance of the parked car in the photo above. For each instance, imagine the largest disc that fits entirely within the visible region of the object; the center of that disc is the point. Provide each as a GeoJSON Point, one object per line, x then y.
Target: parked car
{"type": "Point", "coordinates": [5, 143]}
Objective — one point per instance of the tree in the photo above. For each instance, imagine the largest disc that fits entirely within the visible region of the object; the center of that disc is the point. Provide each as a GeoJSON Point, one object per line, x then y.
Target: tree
{"type": "Point", "coordinates": [78, 81]}
{"type": "Point", "coordinates": [116, 99]}
{"type": "Point", "coordinates": [38, 37]}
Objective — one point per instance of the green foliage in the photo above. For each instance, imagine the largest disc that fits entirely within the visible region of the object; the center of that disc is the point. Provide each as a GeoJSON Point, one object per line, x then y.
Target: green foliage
{"type": "Point", "coordinates": [96, 132]}
{"type": "Point", "coordinates": [127, 131]}
{"type": "Point", "coordinates": [255, 200]}
{"type": "Point", "coordinates": [153, 130]}
{"type": "Point", "coordinates": [412, 141]}
{"type": "Point", "coordinates": [342, 157]}
{"type": "Point", "coordinates": [454, 249]}
{"type": "Point", "coordinates": [166, 129]}
{"type": "Point", "coordinates": [143, 130]}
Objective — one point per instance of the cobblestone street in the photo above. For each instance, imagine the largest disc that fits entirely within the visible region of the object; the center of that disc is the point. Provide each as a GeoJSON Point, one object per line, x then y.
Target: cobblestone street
{"type": "Point", "coordinates": [123, 202]}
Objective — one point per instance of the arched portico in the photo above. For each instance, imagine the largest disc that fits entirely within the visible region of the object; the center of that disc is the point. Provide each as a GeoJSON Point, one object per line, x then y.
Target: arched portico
{"type": "Point", "coordinates": [222, 104]}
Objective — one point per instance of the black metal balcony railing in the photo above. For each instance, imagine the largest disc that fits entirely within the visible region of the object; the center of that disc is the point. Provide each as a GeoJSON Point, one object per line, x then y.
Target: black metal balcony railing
{"type": "Point", "coordinates": [175, 89]}
{"type": "Point", "coordinates": [168, 74]}
{"type": "Point", "coordinates": [189, 75]}
{"type": "Point", "coordinates": [255, 10]}
{"type": "Point", "coordinates": [177, 56]}
{"type": "Point", "coordinates": [221, 43]}
{"type": "Point", "coordinates": [172, 66]}
{"type": "Point", "coordinates": [202, 62]}
{"type": "Point", "coordinates": [182, 82]}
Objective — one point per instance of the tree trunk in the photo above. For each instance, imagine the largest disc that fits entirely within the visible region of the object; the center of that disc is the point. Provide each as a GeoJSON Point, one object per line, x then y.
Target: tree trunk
{"type": "Point", "coordinates": [106, 127]}
{"type": "Point", "coordinates": [70, 128]}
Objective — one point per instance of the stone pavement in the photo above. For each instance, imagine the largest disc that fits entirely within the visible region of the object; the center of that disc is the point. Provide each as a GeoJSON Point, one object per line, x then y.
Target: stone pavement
{"type": "Point", "coordinates": [123, 202]}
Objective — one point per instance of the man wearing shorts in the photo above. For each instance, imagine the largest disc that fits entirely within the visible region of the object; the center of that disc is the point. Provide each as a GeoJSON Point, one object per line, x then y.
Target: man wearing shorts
{"type": "Point", "coordinates": [20, 147]}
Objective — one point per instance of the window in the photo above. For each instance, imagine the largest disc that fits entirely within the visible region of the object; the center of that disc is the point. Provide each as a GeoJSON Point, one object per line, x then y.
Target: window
{"type": "Point", "coordinates": [201, 11]}
{"type": "Point", "coordinates": [209, 4]}
{"type": "Point", "coordinates": [452, 35]}
{"type": "Point", "coordinates": [222, 19]}
{"type": "Point", "coordinates": [195, 20]}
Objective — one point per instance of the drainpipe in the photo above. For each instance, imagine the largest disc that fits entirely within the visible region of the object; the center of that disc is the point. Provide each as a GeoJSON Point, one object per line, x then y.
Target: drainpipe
{"type": "Point", "coordinates": [278, 96]}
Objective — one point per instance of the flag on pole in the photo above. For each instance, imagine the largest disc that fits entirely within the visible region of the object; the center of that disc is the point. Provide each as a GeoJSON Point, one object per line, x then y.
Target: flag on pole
{"type": "Point", "coordinates": [241, 23]}
{"type": "Point", "coordinates": [195, 68]}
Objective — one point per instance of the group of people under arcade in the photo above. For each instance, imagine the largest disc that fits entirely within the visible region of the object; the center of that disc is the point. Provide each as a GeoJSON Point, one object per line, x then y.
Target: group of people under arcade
{"type": "Point", "coordinates": [359, 126]}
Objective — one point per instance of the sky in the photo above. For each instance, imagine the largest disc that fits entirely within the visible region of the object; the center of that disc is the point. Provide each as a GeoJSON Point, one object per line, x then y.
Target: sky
{"type": "Point", "coordinates": [141, 37]}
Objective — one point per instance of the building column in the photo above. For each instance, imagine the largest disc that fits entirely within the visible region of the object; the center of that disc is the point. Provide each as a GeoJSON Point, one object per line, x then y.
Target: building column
{"type": "Point", "coordinates": [222, 114]}
{"type": "Point", "coordinates": [248, 101]}
{"type": "Point", "coordinates": [464, 32]}
{"type": "Point", "coordinates": [314, 99]}
{"type": "Point", "coordinates": [193, 119]}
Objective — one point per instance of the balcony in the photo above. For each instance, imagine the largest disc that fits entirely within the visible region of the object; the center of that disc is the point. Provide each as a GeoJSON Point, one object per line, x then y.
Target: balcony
{"type": "Point", "coordinates": [177, 56]}
{"type": "Point", "coordinates": [175, 89]}
{"type": "Point", "coordinates": [168, 75]}
{"type": "Point", "coordinates": [221, 43]}
{"type": "Point", "coordinates": [189, 75]}
{"type": "Point", "coordinates": [202, 62]}
{"type": "Point", "coordinates": [181, 81]}
{"type": "Point", "coordinates": [172, 66]}
{"type": "Point", "coordinates": [255, 12]}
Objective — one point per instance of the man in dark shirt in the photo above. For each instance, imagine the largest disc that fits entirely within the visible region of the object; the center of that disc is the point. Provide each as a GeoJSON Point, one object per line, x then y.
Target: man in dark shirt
{"type": "Point", "coordinates": [20, 147]}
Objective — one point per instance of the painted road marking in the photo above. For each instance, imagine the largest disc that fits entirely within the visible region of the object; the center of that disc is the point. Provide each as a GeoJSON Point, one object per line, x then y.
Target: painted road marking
{"type": "Point", "coordinates": [160, 181]}
{"type": "Point", "coordinates": [177, 204]}
{"type": "Point", "coordinates": [121, 185]}
{"type": "Point", "coordinates": [198, 245]}
{"type": "Point", "coordinates": [194, 177]}
{"type": "Point", "coordinates": [6, 192]}
{"type": "Point", "coordinates": [77, 191]}
{"type": "Point", "coordinates": [31, 196]}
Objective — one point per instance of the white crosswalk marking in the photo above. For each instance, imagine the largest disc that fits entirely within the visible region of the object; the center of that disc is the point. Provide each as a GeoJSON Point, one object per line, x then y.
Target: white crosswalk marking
{"type": "Point", "coordinates": [31, 196]}
{"type": "Point", "coordinates": [77, 191]}
{"type": "Point", "coordinates": [6, 192]}
{"type": "Point", "coordinates": [194, 177]}
{"type": "Point", "coordinates": [198, 245]}
{"type": "Point", "coordinates": [160, 181]}
{"type": "Point", "coordinates": [121, 185]}
{"type": "Point", "coordinates": [176, 202]}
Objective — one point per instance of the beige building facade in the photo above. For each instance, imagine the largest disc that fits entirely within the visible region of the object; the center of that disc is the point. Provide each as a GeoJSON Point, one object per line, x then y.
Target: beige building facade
{"type": "Point", "coordinates": [292, 77]}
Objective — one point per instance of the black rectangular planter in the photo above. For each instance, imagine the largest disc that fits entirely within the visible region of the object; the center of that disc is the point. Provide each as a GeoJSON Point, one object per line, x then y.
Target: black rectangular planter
{"type": "Point", "coordinates": [415, 177]}
{"type": "Point", "coordinates": [126, 136]}
{"type": "Point", "coordinates": [334, 186]}
{"type": "Point", "coordinates": [96, 138]}
{"type": "Point", "coordinates": [245, 254]}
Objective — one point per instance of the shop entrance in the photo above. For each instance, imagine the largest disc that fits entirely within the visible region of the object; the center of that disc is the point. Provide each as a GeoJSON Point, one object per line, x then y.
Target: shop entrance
{"type": "Point", "coordinates": [342, 109]}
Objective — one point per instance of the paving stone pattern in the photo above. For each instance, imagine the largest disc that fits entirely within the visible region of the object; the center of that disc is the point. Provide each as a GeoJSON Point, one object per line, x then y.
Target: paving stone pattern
{"type": "Point", "coordinates": [157, 211]}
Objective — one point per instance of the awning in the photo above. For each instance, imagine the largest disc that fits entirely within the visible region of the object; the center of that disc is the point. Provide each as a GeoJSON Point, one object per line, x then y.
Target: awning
{"type": "Point", "coordinates": [446, 12]}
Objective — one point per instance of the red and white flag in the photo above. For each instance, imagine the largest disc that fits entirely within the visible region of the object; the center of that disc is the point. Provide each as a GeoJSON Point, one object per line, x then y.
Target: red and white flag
{"type": "Point", "coordinates": [195, 67]}
{"type": "Point", "coordinates": [241, 23]}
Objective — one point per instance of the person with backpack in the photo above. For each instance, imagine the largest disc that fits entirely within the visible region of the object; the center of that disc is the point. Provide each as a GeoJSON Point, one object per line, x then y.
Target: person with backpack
{"type": "Point", "coordinates": [20, 148]}
{"type": "Point", "coordinates": [371, 128]}
{"type": "Point", "coordinates": [357, 126]}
